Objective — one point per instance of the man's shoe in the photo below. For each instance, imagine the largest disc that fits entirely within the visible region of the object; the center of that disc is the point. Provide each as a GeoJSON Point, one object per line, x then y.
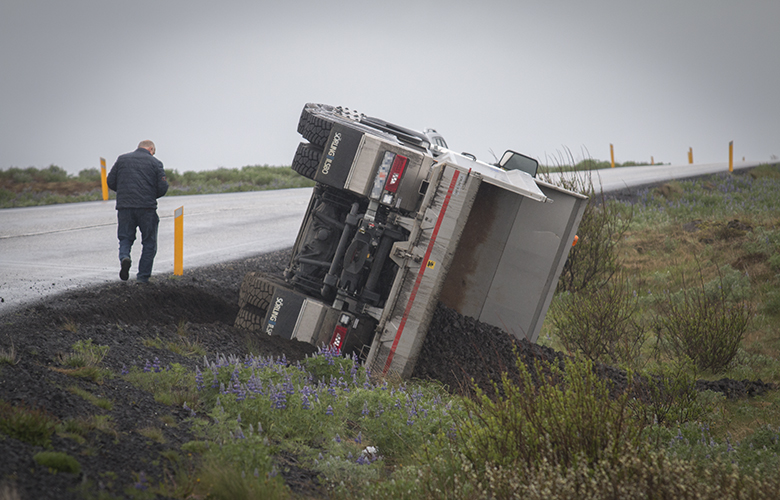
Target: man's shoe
{"type": "Point", "coordinates": [124, 273]}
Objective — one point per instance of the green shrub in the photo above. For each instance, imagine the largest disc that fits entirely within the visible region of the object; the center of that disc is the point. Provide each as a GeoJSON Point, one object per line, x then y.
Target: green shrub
{"type": "Point", "coordinates": [58, 462]}
{"type": "Point", "coordinates": [602, 323]}
{"type": "Point", "coordinates": [594, 259]}
{"type": "Point", "coordinates": [669, 395]}
{"type": "Point", "coordinates": [89, 175]}
{"type": "Point", "coordinates": [569, 414]}
{"type": "Point", "coordinates": [703, 324]}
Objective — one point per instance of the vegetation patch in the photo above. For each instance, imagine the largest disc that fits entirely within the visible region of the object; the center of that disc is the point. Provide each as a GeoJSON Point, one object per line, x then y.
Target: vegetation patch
{"type": "Point", "coordinates": [58, 462]}
{"type": "Point", "coordinates": [31, 425]}
{"type": "Point", "coordinates": [32, 186]}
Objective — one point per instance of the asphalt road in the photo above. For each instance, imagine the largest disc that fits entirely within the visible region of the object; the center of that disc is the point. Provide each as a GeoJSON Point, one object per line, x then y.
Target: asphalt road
{"type": "Point", "coordinates": [49, 249]}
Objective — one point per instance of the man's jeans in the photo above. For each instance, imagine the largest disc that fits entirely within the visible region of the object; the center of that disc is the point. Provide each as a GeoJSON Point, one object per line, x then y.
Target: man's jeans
{"type": "Point", "coordinates": [147, 221]}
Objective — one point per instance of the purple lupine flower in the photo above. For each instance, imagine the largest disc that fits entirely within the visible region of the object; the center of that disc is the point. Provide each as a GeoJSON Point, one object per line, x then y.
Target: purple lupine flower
{"type": "Point", "coordinates": [147, 367]}
{"type": "Point", "coordinates": [329, 410]}
{"type": "Point", "coordinates": [192, 412]}
{"type": "Point", "coordinates": [198, 379]}
{"type": "Point", "coordinates": [141, 484]}
{"type": "Point", "coordinates": [280, 402]}
{"type": "Point", "coordinates": [305, 402]}
{"type": "Point", "coordinates": [365, 408]}
{"type": "Point", "coordinates": [359, 437]}
{"type": "Point", "coordinates": [156, 365]}
{"type": "Point", "coordinates": [124, 370]}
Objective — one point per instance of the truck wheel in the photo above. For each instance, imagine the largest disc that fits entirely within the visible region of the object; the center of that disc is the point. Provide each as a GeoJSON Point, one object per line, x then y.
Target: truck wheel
{"type": "Point", "coordinates": [307, 160]}
{"type": "Point", "coordinates": [255, 291]}
{"type": "Point", "coordinates": [254, 297]}
{"type": "Point", "coordinates": [248, 319]}
{"type": "Point", "coordinates": [314, 128]}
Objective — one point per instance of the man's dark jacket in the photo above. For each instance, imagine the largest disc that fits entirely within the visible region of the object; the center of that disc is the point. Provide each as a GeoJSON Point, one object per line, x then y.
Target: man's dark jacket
{"type": "Point", "coordinates": [138, 179]}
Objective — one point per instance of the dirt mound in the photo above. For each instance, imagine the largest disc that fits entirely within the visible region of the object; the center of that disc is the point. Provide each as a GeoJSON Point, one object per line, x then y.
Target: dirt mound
{"type": "Point", "coordinates": [461, 352]}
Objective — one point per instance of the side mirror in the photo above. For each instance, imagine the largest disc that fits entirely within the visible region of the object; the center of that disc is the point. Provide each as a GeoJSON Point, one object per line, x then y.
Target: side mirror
{"type": "Point", "coordinates": [512, 160]}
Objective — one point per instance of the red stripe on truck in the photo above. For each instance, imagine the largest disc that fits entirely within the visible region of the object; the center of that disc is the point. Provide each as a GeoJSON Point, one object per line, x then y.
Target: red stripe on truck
{"type": "Point", "coordinates": [423, 266]}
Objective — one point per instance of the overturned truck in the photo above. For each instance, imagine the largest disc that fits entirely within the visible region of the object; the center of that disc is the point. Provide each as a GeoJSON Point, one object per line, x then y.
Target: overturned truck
{"type": "Point", "coordinates": [398, 222]}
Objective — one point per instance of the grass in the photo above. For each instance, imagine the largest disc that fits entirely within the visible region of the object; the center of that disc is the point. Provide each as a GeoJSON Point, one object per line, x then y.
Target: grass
{"type": "Point", "coordinates": [84, 360]}
{"type": "Point", "coordinates": [52, 185]}
{"type": "Point", "coordinates": [8, 356]}
{"type": "Point", "coordinates": [31, 425]}
{"type": "Point", "coordinates": [98, 401]}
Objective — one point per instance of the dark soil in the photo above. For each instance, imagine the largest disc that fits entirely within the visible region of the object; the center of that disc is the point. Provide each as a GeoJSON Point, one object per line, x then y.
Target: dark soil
{"type": "Point", "coordinates": [203, 304]}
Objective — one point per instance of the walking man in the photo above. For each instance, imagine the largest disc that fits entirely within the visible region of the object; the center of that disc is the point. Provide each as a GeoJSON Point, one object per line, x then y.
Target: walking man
{"type": "Point", "coordinates": [138, 179]}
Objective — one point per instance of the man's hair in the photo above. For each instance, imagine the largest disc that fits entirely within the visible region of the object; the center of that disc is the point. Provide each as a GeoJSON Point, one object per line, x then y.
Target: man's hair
{"type": "Point", "coordinates": [146, 144]}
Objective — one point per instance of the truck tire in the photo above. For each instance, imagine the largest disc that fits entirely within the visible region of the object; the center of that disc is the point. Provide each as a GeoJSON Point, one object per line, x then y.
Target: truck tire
{"type": "Point", "coordinates": [314, 128]}
{"type": "Point", "coordinates": [249, 319]}
{"type": "Point", "coordinates": [255, 291]}
{"type": "Point", "coordinates": [307, 160]}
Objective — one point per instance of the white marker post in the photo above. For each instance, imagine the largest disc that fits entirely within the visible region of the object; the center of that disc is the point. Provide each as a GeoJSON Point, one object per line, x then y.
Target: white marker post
{"type": "Point", "coordinates": [731, 156]}
{"type": "Point", "coordinates": [103, 178]}
{"type": "Point", "coordinates": [612, 155]}
{"type": "Point", "coordinates": [178, 241]}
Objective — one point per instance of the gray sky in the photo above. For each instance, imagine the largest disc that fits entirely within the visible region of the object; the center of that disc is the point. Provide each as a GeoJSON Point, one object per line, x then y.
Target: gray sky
{"type": "Point", "coordinates": [221, 84]}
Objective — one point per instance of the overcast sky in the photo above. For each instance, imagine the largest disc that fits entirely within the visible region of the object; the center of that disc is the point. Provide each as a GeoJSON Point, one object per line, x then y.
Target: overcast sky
{"type": "Point", "coordinates": [221, 84]}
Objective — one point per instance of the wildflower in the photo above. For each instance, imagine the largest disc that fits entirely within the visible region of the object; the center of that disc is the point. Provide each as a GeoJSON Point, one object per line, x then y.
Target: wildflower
{"type": "Point", "coordinates": [279, 401]}
{"type": "Point", "coordinates": [198, 378]}
{"type": "Point", "coordinates": [359, 437]}
{"type": "Point", "coordinates": [365, 408]}
{"type": "Point", "coordinates": [147, 367]}
{"type": "Point", "coordinates": [141, 484]}
{"type": "Point", "coordinates": [192, 412]}
{"type": "Point", "coordinates": [125, 371]}
{"type": "Point", "coordinates": [337, 438]}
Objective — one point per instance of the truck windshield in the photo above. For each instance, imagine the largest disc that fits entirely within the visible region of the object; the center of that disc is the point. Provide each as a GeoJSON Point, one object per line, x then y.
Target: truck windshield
{"type": "Point", "coordinates": [512, 160]}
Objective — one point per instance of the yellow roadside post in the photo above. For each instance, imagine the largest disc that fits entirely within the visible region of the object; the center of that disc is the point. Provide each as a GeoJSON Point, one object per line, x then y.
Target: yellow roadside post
{"type": "Point", "coordinates": [178, 241]}
{"type": "Point", "coordinates": [103, 178]}
{"type": "Point", "coordinates": [652, 161]}
{"type": "Point", "coordinates": [731, 156]}
{"type": "Point", "coordinates": [690, 155]}
{"type": "Point", "coordinates": [612, 155]}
